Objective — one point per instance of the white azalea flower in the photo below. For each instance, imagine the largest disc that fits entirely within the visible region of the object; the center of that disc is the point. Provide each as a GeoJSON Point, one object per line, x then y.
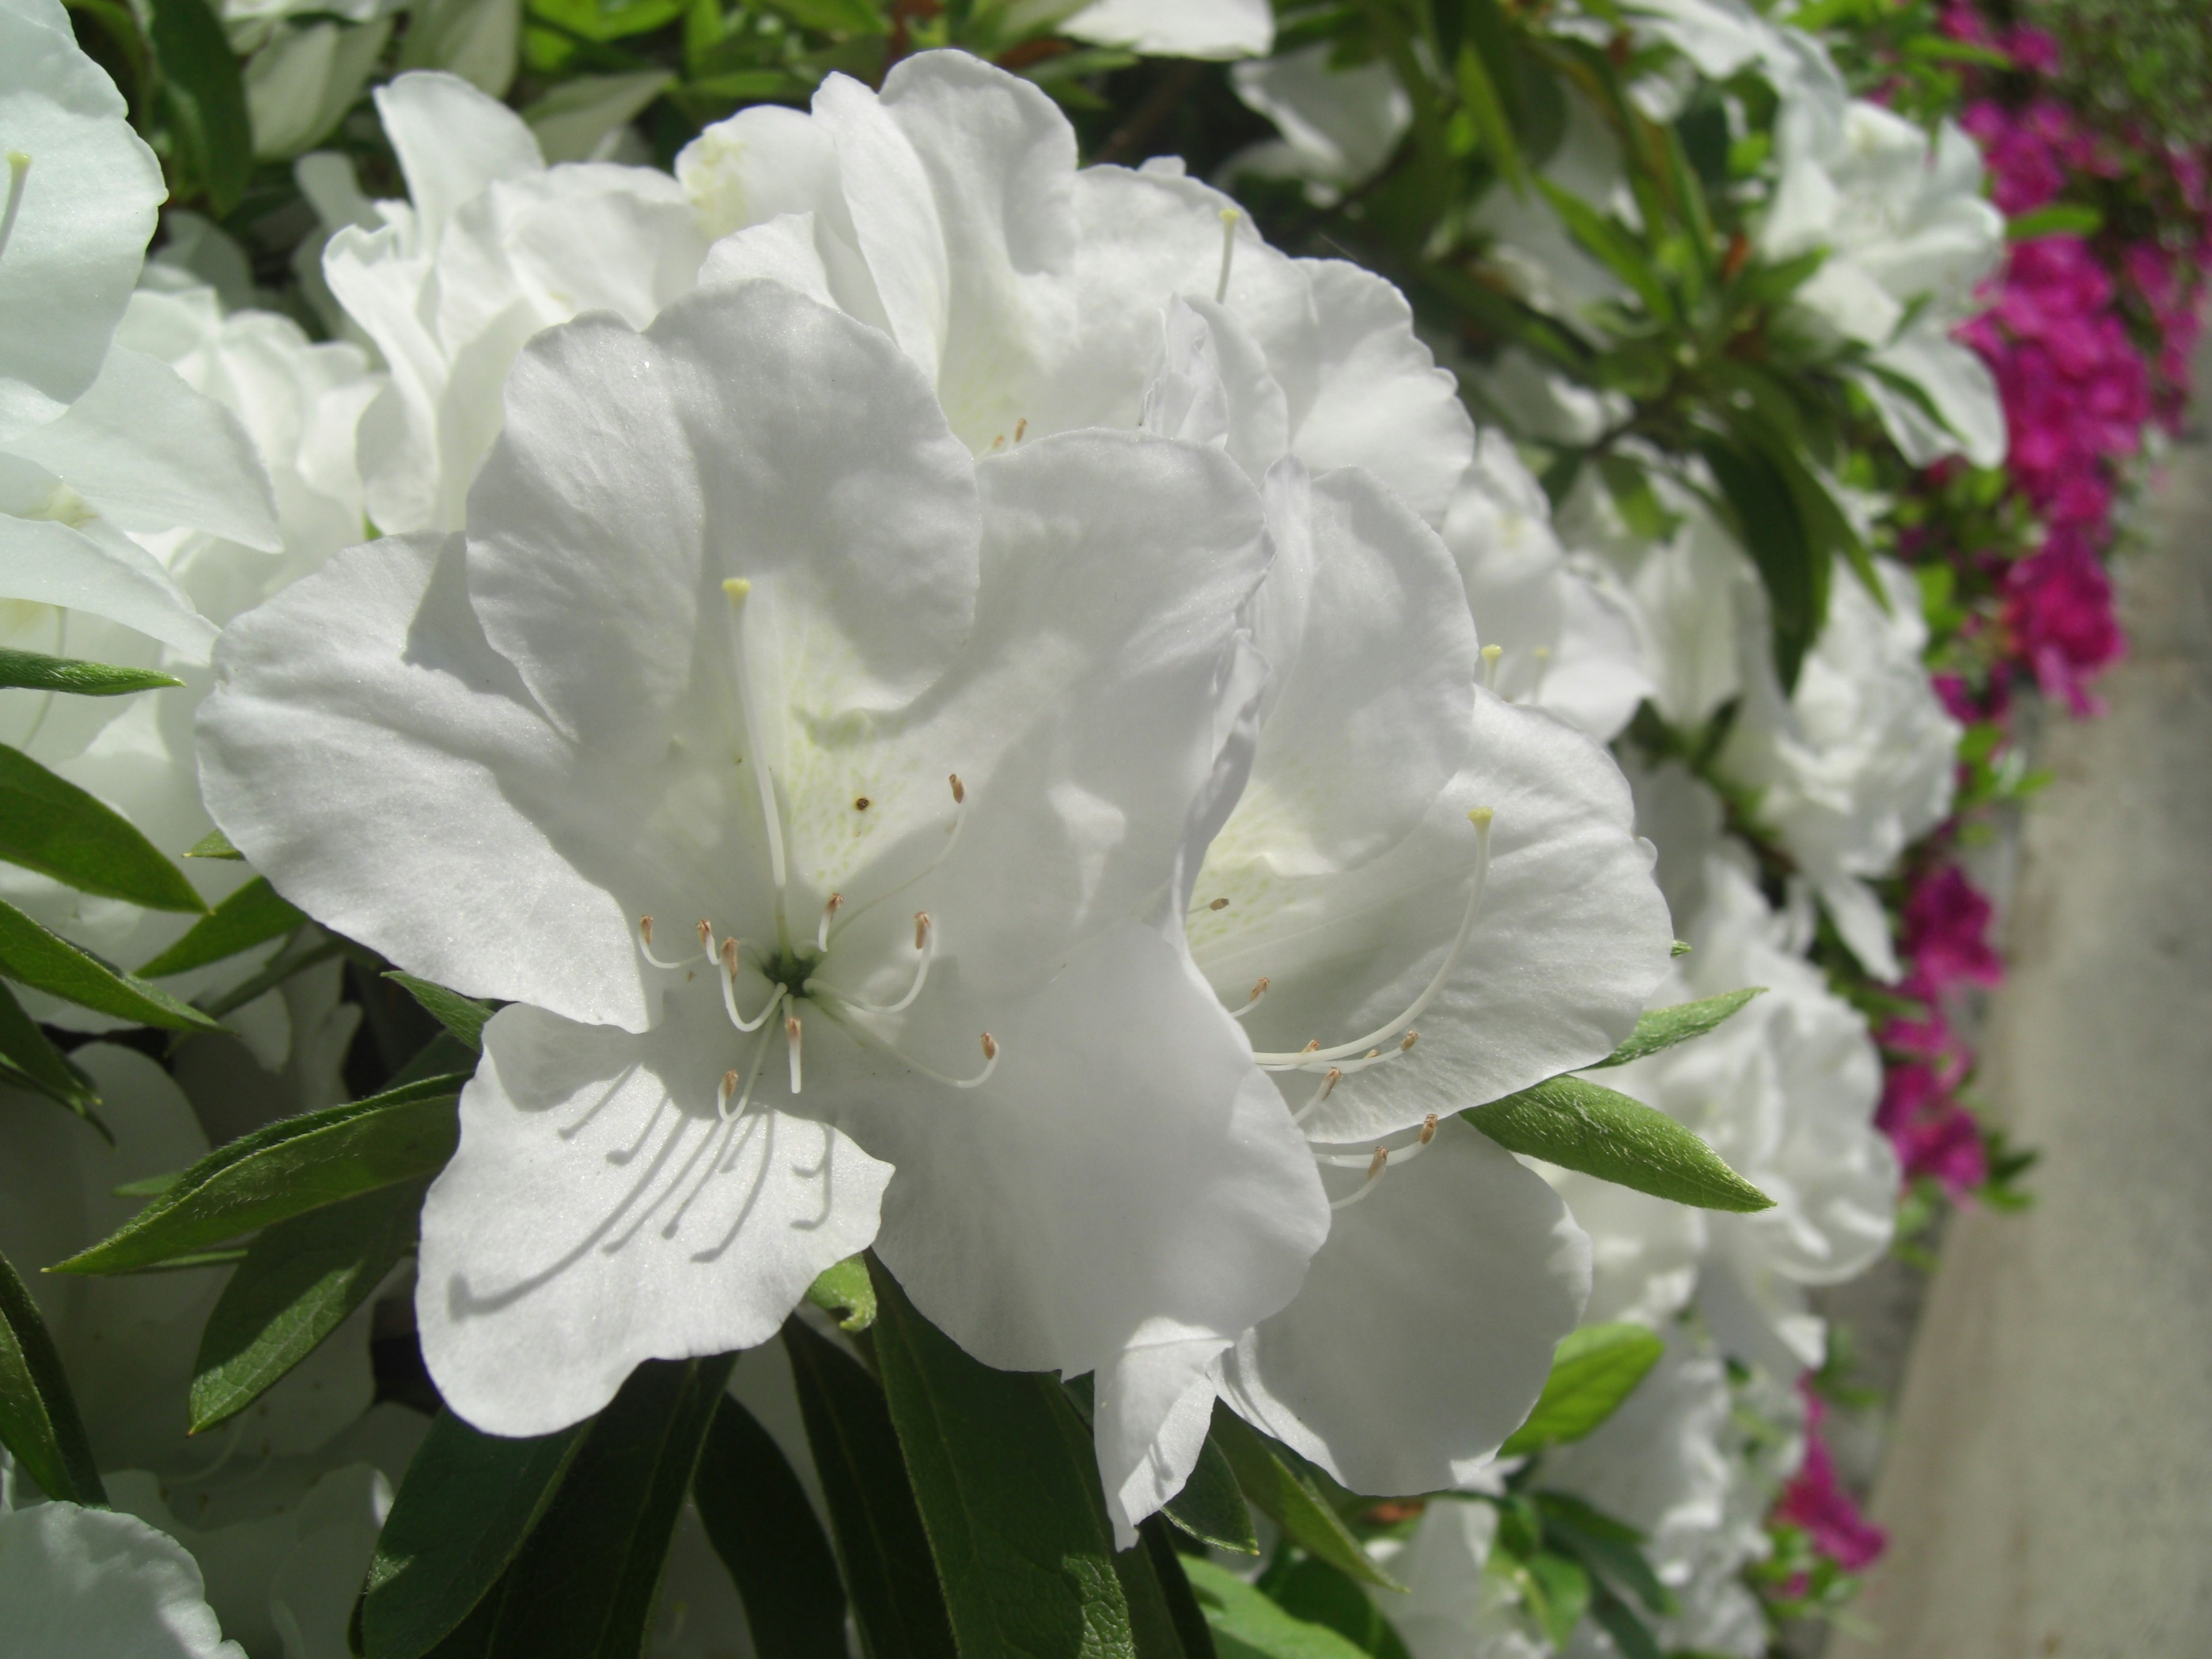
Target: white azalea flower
{"type": "Point", "coordinates": [1859, 761]}
{"type": "Point", "coordinates": [1456, 1608]}
{"type": "Point", "coordinates": [1568, 642]}
{"type": "Point", "coordinates": [96, 440]}
{"type": "Point", "coordinates": [948, 211]}
{"type": "Point", "coordinates": [1341, 126]}
{"type": "Point", "coordinates": [493, 246]}
{"type": "Point", "coordinates": [1407, 847]}
{"type": "Point", "coordinates": [1177, 28]}
{"type": "Point", "coordinates": [728, 640]}
{"type": "Point", "coordinates": [129, 1341]}
{"type": "Point", "coordinates": [1905, 224]}
{"type": "Point", "coordinates": [95, 1584]}
{"type": "Point", "coordinates": [297, 406]}
{"type": "Point", "coordinates": [1786, 1090]}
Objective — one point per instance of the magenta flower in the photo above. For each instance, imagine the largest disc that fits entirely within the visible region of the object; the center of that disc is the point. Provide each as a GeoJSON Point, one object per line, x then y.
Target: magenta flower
{"type": "Point", "coordinates": [2058, 610]}
{"type": "Point", "coordinates": [1946, 921]}
{"type": "Point", "coordinates": [1816, 1500]}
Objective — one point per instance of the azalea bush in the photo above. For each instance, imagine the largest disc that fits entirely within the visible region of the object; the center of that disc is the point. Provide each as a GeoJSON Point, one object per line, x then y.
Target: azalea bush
{"type": "Point", "coordinates": [1002, 829]}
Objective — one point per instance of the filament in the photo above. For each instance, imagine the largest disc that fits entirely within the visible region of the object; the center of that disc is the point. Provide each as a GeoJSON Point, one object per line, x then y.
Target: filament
{"type": "Point", "coordinates": [1375, 1165]}
{"type": "Point", "coordinates": [1334, 1076]}
{"type": "Point", "coordinates": [1259, 990]}
{"type": "Point", "coordinates": [925, 941]}
{"type": "Point", "coordinates": [729, 978]}
{"type": "Point", "coordinates": [1314, 1054]}
{"type": "Point", "coordinates": [952, 840]}
{"type": "Point", "coordinates": [753, 1076]}
{"type": "Point", "coordinates": [19, 169]}
{"type": "Point", "coordinates": [645, 944]}
{"type": "Point", "coordinates": [1229, 215]}
{"type": "Point", "coordinates": [791, 1036]}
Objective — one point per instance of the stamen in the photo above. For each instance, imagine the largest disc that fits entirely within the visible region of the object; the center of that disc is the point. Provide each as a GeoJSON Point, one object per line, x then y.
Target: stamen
{"type": "Point", "coordinates": [1313, 1053]}
{"type": "Point", "coordinates": [645, 945]}
{"type": "Point", "coordinates": [737, 587]}
{"type": "Point", "coordinates": [707, 939]}
{"type": "Point", "coordinates": [925, 941]}
{"type": "Point", "coordinates": [1335, 1075]}
{"type": "Point", "coordinates": [1020, 427]}
{"type": "Point", "coordinates": [959, 789]}
{"type": "Point", "coordinates": [722, 1100]}
{"type": "Point", "coordinates": [1218, 904]}
{"type": "Point", "coordinates": [753, 1076]}
{"type": "Point", "coordinates": [1490, 655]}
{"type": "Point", "coordinates": [791, 1035]}
{"type": "Point", "coordinates": [1375, 1165]}
{"type": "Point", "coordinates": [1410, 1039]}
{"type": "Point", "coordinates": [1259, 990]}
{"type": "Point", "coordinates": [821, 928]}
{"type": "Point", "coordinates": [730, 992]}
{"type": "Point", "coordinates": [952, 840]}
{"type": "Point", "coordinates": [19, 169]}
{"type": "Point", "coordinates": [1229, 215]}
{"type": "Point", "coordinates": [990, 1058]}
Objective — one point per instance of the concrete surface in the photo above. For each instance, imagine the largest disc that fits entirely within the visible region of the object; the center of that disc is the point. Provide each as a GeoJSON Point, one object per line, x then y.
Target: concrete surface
{"type": "Point", "coordinates": [2048, 1481]}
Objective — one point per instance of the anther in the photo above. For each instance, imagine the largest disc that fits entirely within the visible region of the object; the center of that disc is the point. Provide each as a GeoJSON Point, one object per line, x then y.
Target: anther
{"type": "Point", "coordinates": [19, 169]}
{"type": "Point", "coordinates": [736, 587]}
{"type": "Point", "coordinates": [1310, 1047]}
{"type": "Point", "coordinates": [1428, 1129]}
{"type": "Point", "coordinates": [1229, 215]}
{"type": "Point", "coordinates": [1259, 990]}
{"type": "Point", "coordinates": [1411, 1038]}
{"type": "Point", "coordinates": [1020, 427]}
{"type": "Point", "coordinates": [1375, 1165]}
{"type": "Point", "coordinates": [998, 443]}
{"type": "Point", "coordinates": [959, 789]}
{"type": "Point", "coordinates": [828, 913]}
{"type": "Point", "coordinates": [1490, 656]}
{"type": "Point", "coordinates": [1329, 1083]}
{"type": "Point", "coordinates": [729, 1088]}
{"type": "Point", "coordinates": [921, 928]}
{"type": "Point", "coordinates": [1218, 904]}
{"type": "Point", "coordinates": [645, 945]}
{"type": "Point", "coordinates": [861, 803]}
{"type": "Point", "coordinates": [990, 1048]}
{"type": "Point", "coordinates": [791, 1038]}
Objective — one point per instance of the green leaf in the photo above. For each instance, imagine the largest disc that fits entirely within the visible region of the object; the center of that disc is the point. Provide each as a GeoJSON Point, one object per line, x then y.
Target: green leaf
{"type": "Point", "coordinates": [835, 16]}
{"type": "Point", "coordinates": [49, 962]}
{"type": "Point", "coordinates": [1764, 516]}
{"type": "Point", "coordinates": [1630, 1634]}
{"type": "Point", "coordinates": [1681, 948]}
{"type": "Point", "coordinates": [1612, 244]}
{"type": "Point", "coordinates": [286, 1168]}
{"type": "Point", "coordinates": [1193, 1634]}
{"type": "Point", "coordinates": [1479, 92]}
{"type": "Point", "coordinates": [759, 1522]}
{"type": "Point", "coordinates": [882, 1549]}
{"type": "Point", "coordinates": [1313, 1590]}
{"type": "Point", "coordinates": [1579, 1125]}
{"type": "Point", "coordinates": [38, 1414]}
{"type": "Point", "coordinates": [203, 98]}
{"type": "Point", "coordinates": [590, 20]}
{"type": "Point", "coordinates": [1008, 1496]}
{"type": "Point", "coordinates": [297, 1283]}
{"type": "Point", "coordinates": [1556, 1589]}
{"type": "Point", "coordinates": [1291, 1501]}
{"type": "Point", "coordinates": [1247, 1623]}
{"type": "Point", "coordinates": [252, 915]}
{"type": "Point", "coordinates": [846, 1290]}
{"type": "Point", "coordinates": [2058, 219]}
{"type": "Point", "coordinates": [41, 1066]}
{"type": "Point", "coordinates": [213, 845]}
{"type": "Point", "coordinates": [1663, 1028]}
{"type": "Point", "coordinates": [1593, 1371]}
{"type": "Point", "coordinates": [1211, 1507]}
{"type": "Point", "coordinates": [1605, 1546]}
{"type": "Point", "coordinates": [49, 825]}
{"type": "Point", "coordinates": [34, 671]}
{"type": "Point", "coordinates": [468, 1502]}
{"type": "Point", "coordinates": [463, 1017]}
{"type": "Point", "coordinates": [583, 1585]}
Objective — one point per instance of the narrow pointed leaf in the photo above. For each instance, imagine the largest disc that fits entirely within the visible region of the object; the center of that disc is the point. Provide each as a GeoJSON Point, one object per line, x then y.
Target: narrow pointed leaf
{"type": "Point", "coordinates": [1311, 1589]}
{"type": "Point", "coordinates": [759, 1522]}
{"type": "Point", "coordinates": [463, 1016]}
{"type": "Point", "coordinates": [1211, 1507]}
{"type": "Point", "coordinates": [252, 915]}
{"type": "Point", "coordinates": [1610, 1549]}
{"type": "Point", "coordinates": [38, 1420]}
{"type": "Point", "coordinates": [1292, 1501]}
{"type": "Point", "coordinates": [49, 825]}
{"type": "Point", "coordinates": [1630, 1635]}
{"type": "Point", "coordinates": [46, 961]}
{"type": "Point", "coordinates": [1246, 1623]}
{"type": "Point", "coordinates": [203, 98]}
{"type": "Point", "coordinates": [468, 1502]}
{"type": "Point", "coordinates": [1663, 1028]}
{"type": "Point", "coordinates": [288, 1168]}
{"type": "Point", "coordinates": [1194, 1634]}
{"type": "Point", "coordinates": [1008, 1496]}
{"type": "Point", "coordinates": [1593, 1371]}
{"type": "Point", "coordinates": [583, 1583]}
{"type": "Point", "coordinates": [1600, 1131]}
{"type": "Point", "coordinates": [33, 671]}
{"type": "Point", "coordinates": [881, 1547]}
{"type": "Point", "coordinates": [42, 1064]}
{"type": "Point", "coordinates": [213, 845]}
{"type": "Point", "coordinates": [299, 1281]}
{"type": "Point", "coordinates": [1565, 1594]}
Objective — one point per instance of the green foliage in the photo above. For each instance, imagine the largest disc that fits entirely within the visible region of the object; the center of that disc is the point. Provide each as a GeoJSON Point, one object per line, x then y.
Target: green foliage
{"type": "Point", "coordinates": [34, 955]}
{"type": "Point", "coordinates": [758, 1519]}
{"type": "Point", "coordinates": [1663, 1028]}
{"type": "Point", "coordinates": [1293, 1500]}
{"type": "Point", "coordinates": [1593, 1369]}
{"type": "Point", "coordinates": [1579, 1125]}
{"type": "Point", "coordinates": [463, 1016]}
{"type": "Point", "coordinates": [298, 1282]}
{"type": "Point", "coordinates": [288, 1168]}
{"type": "Point", "coordinates": [848, 1291]}
{"type": "Point", "coordinates": [28, 1060]}
{"type": "Point", "coordinates": [252, 915]}
{"type": "Point", "coordinates": [36, 672]}
{"type": "Point", "coordinates": [1247, 1622]}
{"type": "Point", "coordinates": [202, 99]}
{"type": "Point", "coordinates": [39, 1421]}
{"type": "Point", "coordinates": [1211, 1507]}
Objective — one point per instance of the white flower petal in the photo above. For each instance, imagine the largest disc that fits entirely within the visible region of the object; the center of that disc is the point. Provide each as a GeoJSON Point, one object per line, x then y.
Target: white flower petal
{"type": "Point", "coordinates": [98, 1585]}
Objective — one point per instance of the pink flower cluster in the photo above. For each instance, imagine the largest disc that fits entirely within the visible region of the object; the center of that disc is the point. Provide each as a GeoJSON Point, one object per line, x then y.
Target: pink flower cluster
{"type": "Point", "coordinates": [1947, 923]}
{"type": "Point", "coordinates": [1816, 1500]}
